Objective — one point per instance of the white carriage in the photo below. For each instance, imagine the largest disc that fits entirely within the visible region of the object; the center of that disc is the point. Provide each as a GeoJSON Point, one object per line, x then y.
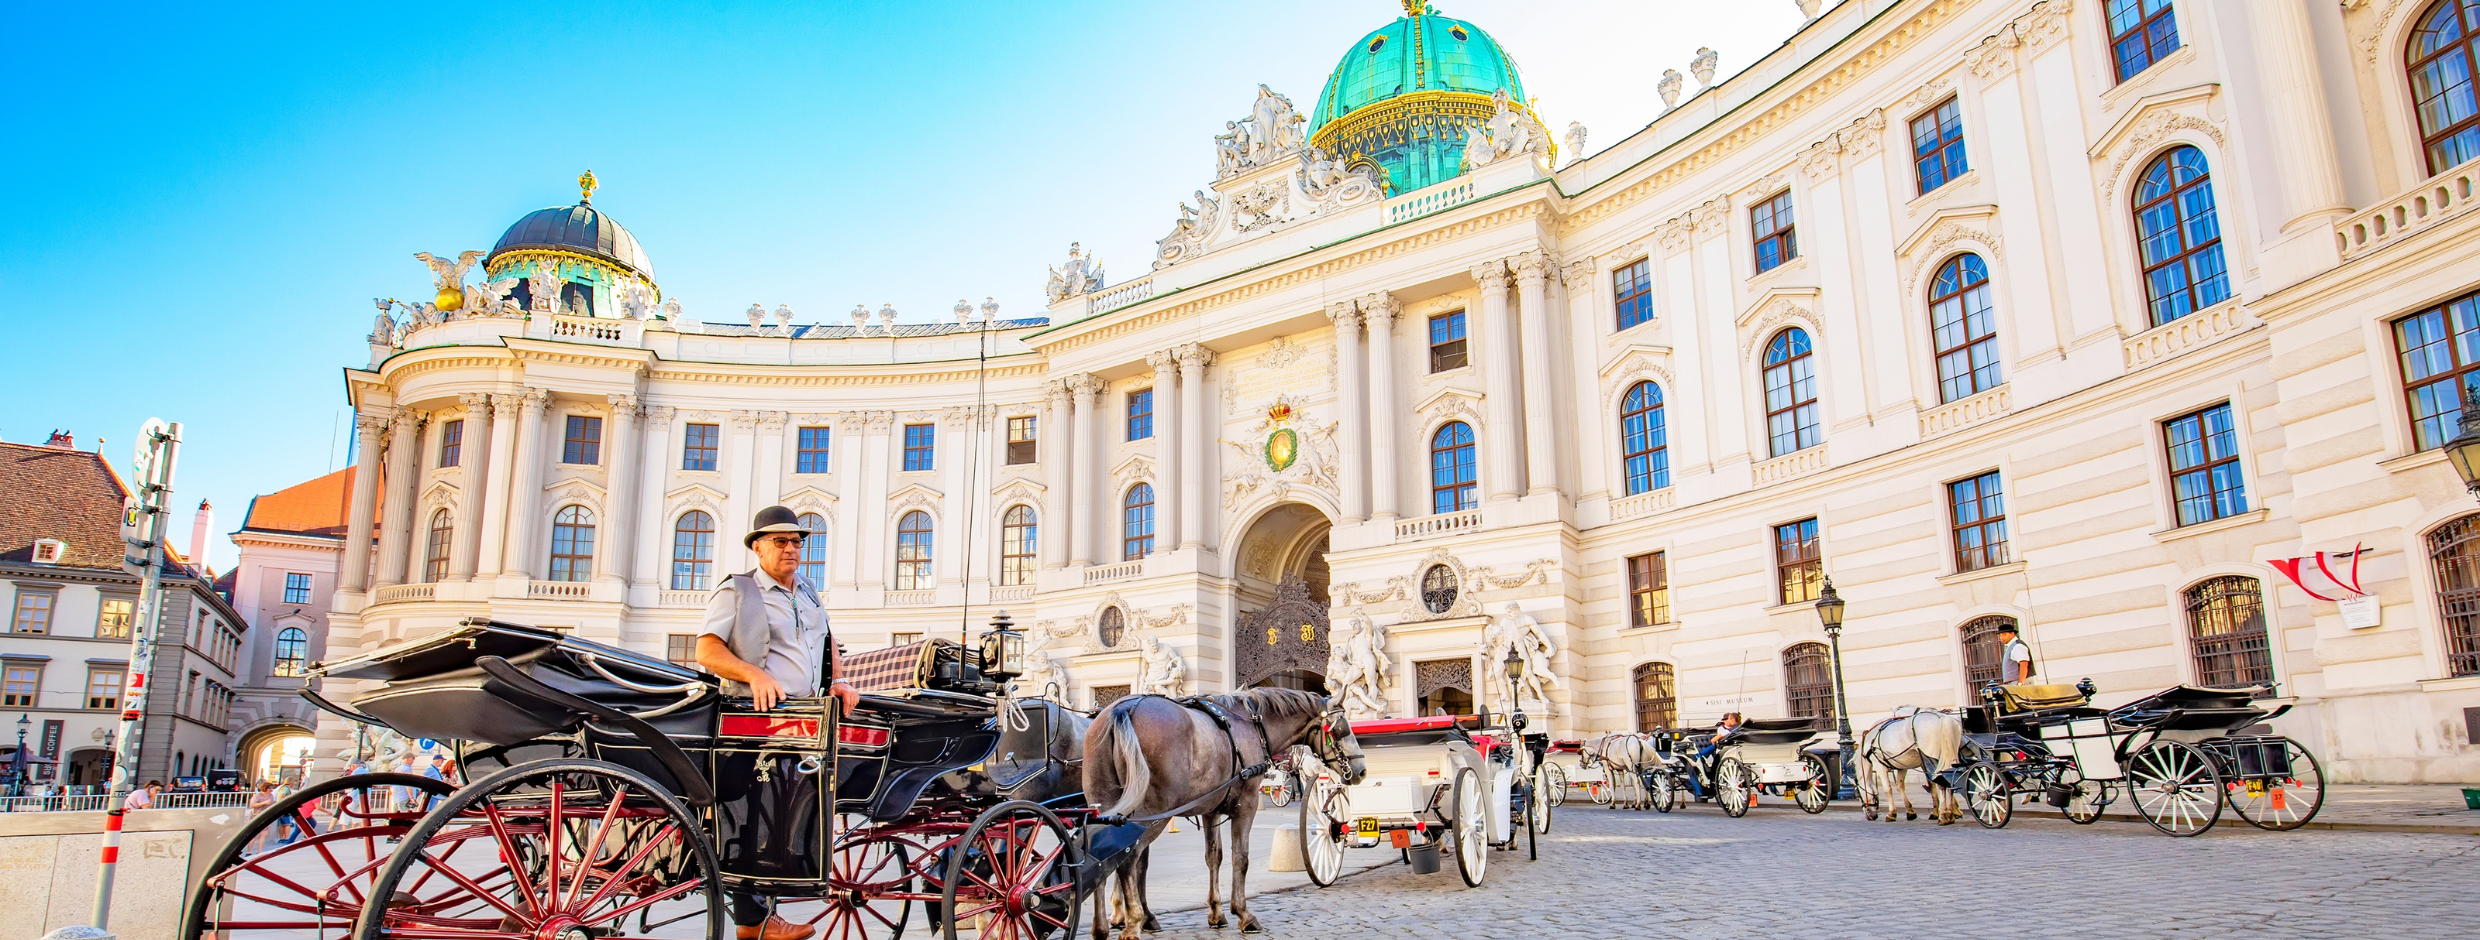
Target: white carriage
{"type": "Point", "coordinates": [1778, 755]}
{"type": "Point", "coordinates": [1433, 786]}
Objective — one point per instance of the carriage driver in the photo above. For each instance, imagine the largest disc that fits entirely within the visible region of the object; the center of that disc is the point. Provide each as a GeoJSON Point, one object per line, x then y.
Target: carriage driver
{"type": "Point", "coordinates": [766, 633]}
{"type": "Point", "coordinates": [2014, 658]}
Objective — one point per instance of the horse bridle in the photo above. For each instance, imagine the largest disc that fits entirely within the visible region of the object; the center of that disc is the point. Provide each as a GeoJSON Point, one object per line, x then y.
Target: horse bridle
{"type": "Point", "coordinates": [1329, 746]}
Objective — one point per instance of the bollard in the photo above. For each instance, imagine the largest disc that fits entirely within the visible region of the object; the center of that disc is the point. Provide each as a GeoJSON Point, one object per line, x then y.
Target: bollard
{"type": "Point", "coordinates": [1287, 855]}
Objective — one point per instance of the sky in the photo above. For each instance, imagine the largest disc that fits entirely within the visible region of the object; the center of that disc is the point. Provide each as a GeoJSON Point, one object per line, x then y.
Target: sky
{"type": "Point", "coordinates": [199, 201]}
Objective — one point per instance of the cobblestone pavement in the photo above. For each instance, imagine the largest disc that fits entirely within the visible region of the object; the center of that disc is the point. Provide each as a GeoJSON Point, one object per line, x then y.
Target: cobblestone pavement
{"type": "Point", "coordinates": [1695, 873]}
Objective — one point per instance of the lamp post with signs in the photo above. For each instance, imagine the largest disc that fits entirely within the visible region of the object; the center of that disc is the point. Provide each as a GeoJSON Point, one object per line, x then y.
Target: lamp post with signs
{"type": "Point", "coordinates": [143, 526]}
{"type": "Point", "coordinates": [1830, 615]}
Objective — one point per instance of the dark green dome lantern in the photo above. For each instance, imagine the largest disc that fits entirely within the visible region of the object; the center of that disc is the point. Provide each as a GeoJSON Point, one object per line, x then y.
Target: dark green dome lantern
{"type": "Point", "coordinates": [1406, 94]}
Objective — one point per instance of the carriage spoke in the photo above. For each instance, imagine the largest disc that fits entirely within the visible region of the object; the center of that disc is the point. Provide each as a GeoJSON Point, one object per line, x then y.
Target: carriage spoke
{"type": "Point", "coordinates": [669, 830]}
{"type": "Point", "coordinates": [594, 848]}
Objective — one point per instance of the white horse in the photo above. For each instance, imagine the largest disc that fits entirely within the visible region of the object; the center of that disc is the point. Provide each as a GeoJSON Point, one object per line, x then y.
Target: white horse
{"type": "Point", "coordinates": [1626, 755]}
{"type": "Point", "coordinates": [1922, 739]}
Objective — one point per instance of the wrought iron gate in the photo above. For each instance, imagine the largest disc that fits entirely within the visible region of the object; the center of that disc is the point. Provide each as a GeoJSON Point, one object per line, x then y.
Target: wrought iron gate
{"type": "Point", "coordinates": [1289, 633]}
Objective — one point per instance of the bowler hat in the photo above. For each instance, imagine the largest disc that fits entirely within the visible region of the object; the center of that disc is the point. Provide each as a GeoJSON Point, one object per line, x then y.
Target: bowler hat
{"type": "Point", "coordinates": [772, 519]}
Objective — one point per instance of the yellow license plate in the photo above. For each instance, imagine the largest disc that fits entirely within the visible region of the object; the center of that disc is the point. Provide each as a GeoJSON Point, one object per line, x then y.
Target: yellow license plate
{"type": "Point", "coordinates": [1366, 826]}
{"type": "Point", "coordinates": [2255, 788]}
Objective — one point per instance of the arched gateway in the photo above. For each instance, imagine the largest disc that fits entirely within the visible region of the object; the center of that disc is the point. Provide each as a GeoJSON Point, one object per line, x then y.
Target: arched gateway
{"type": "Point", "coordinates": [1281, 641]}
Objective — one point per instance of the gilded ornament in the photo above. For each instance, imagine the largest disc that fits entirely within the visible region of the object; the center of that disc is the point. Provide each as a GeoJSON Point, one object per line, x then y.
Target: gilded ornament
{"type": "Point", "coordinates": [1282, 449]}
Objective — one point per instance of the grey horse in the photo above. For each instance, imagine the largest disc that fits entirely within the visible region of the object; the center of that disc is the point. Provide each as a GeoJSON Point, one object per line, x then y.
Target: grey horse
{"type": "Point", "coordinates": [1922, 739]}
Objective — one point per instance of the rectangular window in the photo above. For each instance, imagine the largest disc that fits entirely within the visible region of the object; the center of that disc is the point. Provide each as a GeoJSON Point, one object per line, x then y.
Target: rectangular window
{"type": "Point", "coordinates": [1141, 414]}
{"type": "Point", "coordinates": [451, 442]}
{"type": "Point", "coordinates": [2204, 465]}
{"type": "Point", "coordinates": [1776, 242]}
{"type": "Point", "coordinates": [1799, 564]}
{"type": "Point", "coordinates": [19, 683]}
{"type": "Point", "coordinates": [1633, 286]}
{"type": "Point", "coordinates": [112, 623]}
{"type": "Point", "coordinates": [103, 688]}
{"type": "Point", "coordinates": [811, 457]}
{"type": "Point", "coordinates": [1649, 589]}
{"type": "Point", "coordinates": [698, 445]}
{"type": "Point", "coordinates": [1446, 341]}
{"type": "Point", "coordinates": [903, 639]}
{"type": "Point", "coordinates": [2440, 349]}
{"type": "Point", "coordinates": [296, 588]}
{"type": "Point", "coordinates": [1978, 507]}
{"type": "Point", "coordinates": [681, 648]}
{"type": "Point", "coordinates": [1937, 146]}
{"type": "Point", "coordinates": [584, 444]}
{"type": "Point", "coordinates": [2141, 33]}
{"type": "Point", "coordinates": [34, 612]}
{"type": "Point", "coordinates": [920, 446]}
{"type": "Point", "coordinates": [1020, 440]}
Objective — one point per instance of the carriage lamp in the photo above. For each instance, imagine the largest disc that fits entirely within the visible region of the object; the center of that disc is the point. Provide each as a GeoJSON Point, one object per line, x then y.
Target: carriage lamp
{"type": "Point", "coordinates": [1003, 650]}
{"type": "Point", "coordinates": [1830, 609]}
{"type": "Point", "coordinates": [2464, 449]}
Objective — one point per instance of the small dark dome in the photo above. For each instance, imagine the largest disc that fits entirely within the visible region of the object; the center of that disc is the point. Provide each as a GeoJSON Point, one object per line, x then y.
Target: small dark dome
{"type": "Point", "coordinates": [579, 228]}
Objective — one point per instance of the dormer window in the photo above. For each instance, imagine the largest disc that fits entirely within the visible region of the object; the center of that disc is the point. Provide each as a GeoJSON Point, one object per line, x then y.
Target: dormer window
{"type": "Point", "coordinates": [50, 551]}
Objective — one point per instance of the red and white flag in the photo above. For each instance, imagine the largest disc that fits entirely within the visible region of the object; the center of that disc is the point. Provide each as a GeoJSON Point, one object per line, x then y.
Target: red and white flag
{"type": "Point", "coordinates": [2326, 576]}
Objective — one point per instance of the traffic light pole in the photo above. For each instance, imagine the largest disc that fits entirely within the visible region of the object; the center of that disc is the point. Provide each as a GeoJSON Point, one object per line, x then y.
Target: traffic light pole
{"type": "Point", "coordinates": [158, 444]}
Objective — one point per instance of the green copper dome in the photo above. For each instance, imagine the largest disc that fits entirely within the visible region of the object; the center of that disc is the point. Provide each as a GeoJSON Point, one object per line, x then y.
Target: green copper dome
{"type": "Point", "coordinates": [1404, 94]}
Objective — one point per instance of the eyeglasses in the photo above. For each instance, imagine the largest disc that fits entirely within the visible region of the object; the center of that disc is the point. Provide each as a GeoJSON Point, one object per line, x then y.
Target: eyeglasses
{"type": "Point", "coordinates": [783, 541]}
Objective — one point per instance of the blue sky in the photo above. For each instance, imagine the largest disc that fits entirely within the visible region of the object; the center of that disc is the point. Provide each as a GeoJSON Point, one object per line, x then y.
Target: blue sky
{"type": "Point", "coordinates": [197, 202]}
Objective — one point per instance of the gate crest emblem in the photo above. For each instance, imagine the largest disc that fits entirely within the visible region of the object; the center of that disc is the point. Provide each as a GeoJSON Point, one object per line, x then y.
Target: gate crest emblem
{"type": "Point", "coordinates": [1283, 443]}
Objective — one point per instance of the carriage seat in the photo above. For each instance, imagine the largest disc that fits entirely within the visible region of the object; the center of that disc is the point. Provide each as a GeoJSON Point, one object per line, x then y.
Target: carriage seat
{"type": "Point", "coordinates": [2028, 696]}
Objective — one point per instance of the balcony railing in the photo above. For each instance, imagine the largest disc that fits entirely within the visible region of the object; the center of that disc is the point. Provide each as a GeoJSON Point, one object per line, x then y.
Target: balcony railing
{"type": "Point", "coordinates": [681, 599]}
{"type": "Point", "coordinates": [586, 329]}
{"type": "Point", "coordinates": [1421, 202]}
{"type": "Point", "coordinates": [1007, 595]}
{"type": "Point", "coordinates": [2435, 200]}
{"type": "Point", "coordinates": [1650, 501]}
{"type": "Point", "coordinates": [1441, 524]}
{"type": "Point", "coordinates": [1119, 572]}
{"type": "Point", "coordinates": [1123, 294]}
{"type": "Point", "coordinates": [400, 593]}
{"type": "Point", "coordinates": [558, 590]}
{"type": "Point", "coordinates": [912, 598]}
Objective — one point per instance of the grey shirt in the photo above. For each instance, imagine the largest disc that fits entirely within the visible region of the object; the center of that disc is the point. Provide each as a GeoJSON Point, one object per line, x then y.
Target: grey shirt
{"type": "Point", "coordinates": [2011, 660]}
{"type": "Point", "coordinates": [796, 631]}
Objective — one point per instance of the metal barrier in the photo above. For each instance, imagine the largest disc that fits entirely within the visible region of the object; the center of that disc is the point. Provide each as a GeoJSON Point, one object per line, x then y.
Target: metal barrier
{"type": "Point", "coordinates": [95, 802]}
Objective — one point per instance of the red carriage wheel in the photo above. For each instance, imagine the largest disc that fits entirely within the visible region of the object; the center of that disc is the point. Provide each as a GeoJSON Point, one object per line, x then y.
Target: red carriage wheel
{"type": "Point", "coordinates": [558, 849]}
{"type": "Point", "coordinates": [303, 867]}
{"type": "Point", "coordinates": [869, 892]}
{"type": "Point", "coordinates": [1012, 876]}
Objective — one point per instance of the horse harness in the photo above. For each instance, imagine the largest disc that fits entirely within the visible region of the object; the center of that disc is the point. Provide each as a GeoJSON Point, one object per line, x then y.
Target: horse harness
{"type": "Point", "coordinates": [1223, 719]}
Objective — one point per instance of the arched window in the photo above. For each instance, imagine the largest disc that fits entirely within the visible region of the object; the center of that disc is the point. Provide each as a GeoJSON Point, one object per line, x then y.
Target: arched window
{"type": "Point", "coordinates": [2455, 551]}
{"type": "Point", "coordinates": [1136, 523]}
{"type": "Point", "coordinates": [2180, 236]}
{"type": "Point", "coordinates": [1808, 681]}
{"type": "Point", "coordinates": [1019, 536]}
{"type": "Point", "coordinates": [1790, 393]}
{"type": "Point", "coordinates": [1657, 697]}
{"type": "Point", "coordinates": [1438, 589]}
{"type": "Point", "coordinates": [1981, 650]}
{"type": "Point", "coordinates": [1647, 440]}
{"type": "Point", "coordinates": [1964, 328]}
{"type": "Point", "coordinates": [1110, 627]}
{"type": "Point", "coordinates": [292, 651]}
{"type": "Point", "coordinates": [2226, 632]}
{"type": "Point", "coordinates": [1451, 469]}
{"type": "Point", "coordinates": [436, 546]}
{"type": "Point", "coordinates": [572, 544]}
{"type": "Point", "coordinates": [2444, 57]}
{"type": "Point", "coordinates": [913, 552]}
{"type": "Point", "coordinates": [814, 549]}
{"type": "Point", "coordinates": [693, 552]}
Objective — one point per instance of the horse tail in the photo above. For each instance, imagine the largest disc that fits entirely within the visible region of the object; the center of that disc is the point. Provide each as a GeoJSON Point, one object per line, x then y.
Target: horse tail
{"type": "Point", "coordinates": [1134, 776]}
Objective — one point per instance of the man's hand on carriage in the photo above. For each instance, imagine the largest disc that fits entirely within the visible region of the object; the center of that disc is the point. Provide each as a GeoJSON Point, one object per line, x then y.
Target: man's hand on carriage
{"type": "Point", "coordinates": [845, 693]}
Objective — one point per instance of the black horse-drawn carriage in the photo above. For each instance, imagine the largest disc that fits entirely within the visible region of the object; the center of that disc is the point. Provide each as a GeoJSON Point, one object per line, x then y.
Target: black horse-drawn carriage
{"type": "Point", "coordinates": [611, 794]}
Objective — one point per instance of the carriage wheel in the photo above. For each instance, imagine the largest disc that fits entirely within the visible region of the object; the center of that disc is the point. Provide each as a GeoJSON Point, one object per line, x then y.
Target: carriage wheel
{"type": "Point", "coordinates": [1016, 868]}
{"type": "Point", "coordinates": [2175, 787]}
{"type": "Point", "coordinates": [1986, 795]}
{"type": "Point", "coordinates": [1472, 828]}
{"type": "Point", "coordinates": [1734, 786]}
{"type": "Point", "coordinates": [1279, 788]}
{"type": "Point", "coordinates": [1814, 796]}
{"type": "Point", "coordinates": [2085, 800]}
{"type": "Point", "coordinates": [560, 848]}
{"type": "Point", "coordinates": [1324, 810]}
{"type": "Point", "coordinates": [866, 879]}
{"type": "Point", "coordinates": [1554, 783]}
{"type": "Point", "coordinates": [2284, 803]}
{"type": "Point", "coordinates": [1538, 805]}
{"type": "Point", "coordinates": [1664, 792]}
{"type": "Point", "coordinates": [313, 884]}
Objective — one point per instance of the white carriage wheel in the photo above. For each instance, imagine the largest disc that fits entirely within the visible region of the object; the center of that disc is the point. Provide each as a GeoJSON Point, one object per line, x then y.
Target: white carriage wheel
{"type": "Point", "coordinates": [1814, 795]}
{"type": "Point", "coordinates": [1599, 790]}
{"type": "Point", "coordinates": [1325, 807]}
{"type": "Point", "coordinates": [1278, 787]}
{"type": "Point", "coordinates": [1733, 785]}
{"type": "Point", "coordinates": [1665, 792]}
{"type": "Point", "coordinates": [1537, 806]}
{"type": "Point", "coordinates": [1472, 828]}
{"type": "Point", "coordinates": [1554, 782]}
{"type": "Point", "coordinates": [1987, 796]}
{"type": "Point", "coordinates": [2175, 787]}
{"type": "Point", "coordinates": [2085, 798]}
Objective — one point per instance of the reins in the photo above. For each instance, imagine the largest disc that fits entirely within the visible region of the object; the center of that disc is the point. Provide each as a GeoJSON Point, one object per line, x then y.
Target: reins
{"type": "Point", "coordinates": [1223, 721]}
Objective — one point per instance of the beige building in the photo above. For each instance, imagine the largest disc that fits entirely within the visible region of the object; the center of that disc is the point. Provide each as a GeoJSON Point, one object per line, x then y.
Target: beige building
{"type": "Point", "coordinates": [2079, 314]}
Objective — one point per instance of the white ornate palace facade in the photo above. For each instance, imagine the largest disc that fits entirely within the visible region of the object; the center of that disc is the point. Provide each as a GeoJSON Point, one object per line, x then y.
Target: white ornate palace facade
{"type": "Point", "coordinates": [2085, 315]}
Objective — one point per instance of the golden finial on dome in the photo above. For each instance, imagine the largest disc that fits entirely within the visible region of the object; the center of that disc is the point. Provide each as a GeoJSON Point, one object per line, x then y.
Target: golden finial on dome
{"type": "Point", "coordinates": [1415, 7]}
{"type": "Point", "coordinates": [585, 182]}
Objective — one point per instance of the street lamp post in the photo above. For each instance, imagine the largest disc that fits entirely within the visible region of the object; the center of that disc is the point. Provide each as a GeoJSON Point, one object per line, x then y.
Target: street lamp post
{"type": "Point", "coordinates": [1830, 614]}
{"type": "Point", "coordinates": [2464, 450]}
{"type": "Point", "coordinates": [19, 766]}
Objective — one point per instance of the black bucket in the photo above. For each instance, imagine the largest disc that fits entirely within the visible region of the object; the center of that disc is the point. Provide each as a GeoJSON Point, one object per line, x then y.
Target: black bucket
{"type": "Point", "coordinates": [1424, 858]}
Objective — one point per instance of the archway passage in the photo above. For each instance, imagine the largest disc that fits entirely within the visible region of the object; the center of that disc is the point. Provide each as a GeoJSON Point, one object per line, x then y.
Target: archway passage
{"type": "Point", "coordinates": [1282, 638]}
{"type": "Point", "coordinates": [275, 754]}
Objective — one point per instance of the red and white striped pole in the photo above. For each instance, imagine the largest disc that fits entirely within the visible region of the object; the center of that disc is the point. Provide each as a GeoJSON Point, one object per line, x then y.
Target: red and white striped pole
{"type": "Point", "coordinates": [148, 516]}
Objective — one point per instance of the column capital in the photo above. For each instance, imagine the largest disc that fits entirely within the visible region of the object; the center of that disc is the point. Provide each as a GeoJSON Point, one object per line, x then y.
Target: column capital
{"type": "Point", "coordinates": [1056, 393]}
{"type": "Point", "coordinates": [773, 420]}
{"type": "Point", "coordinates": [623, 405]}
{"type": "Point", "coordinates": [475, 402]}
{"type": "Point", "coordinates": [1378, 306]}
{"type": "Point", "coordinates": [1344, 315]}
{"type": "Point", "coordinates": [1194, 357]}
{"type": "Point", "coordinates": [1577, 272]}
{"type": "Point", "coordinates": [1163, 362]}
{"type": "Point", "coordinates": [744, 419]}
{"type": "Point", "coordinates": [1086, 386]}
{"type": "Point", "coordinates": [1492, 276]}
{"type": "Point", "coordinates": [407, 417]}
{"type": "Point", "coordinates": [660, 415]}
{"type": "Point", "coordinates": [537, 400]}
{"type": "Point", "coordinates": [369, 423]}
{"type": "Point", "coordinates": [1532, 268]}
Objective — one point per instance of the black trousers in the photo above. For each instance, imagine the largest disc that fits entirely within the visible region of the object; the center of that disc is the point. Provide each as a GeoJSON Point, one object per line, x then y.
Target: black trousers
{"type": "Point", "coordinates": [748, 910]}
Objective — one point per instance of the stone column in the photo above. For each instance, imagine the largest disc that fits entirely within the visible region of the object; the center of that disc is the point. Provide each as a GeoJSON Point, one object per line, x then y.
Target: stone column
{"type": "Point", "coordinates": [766, 473]}
{"type": "Point", "coordinates": [1378, 310]}
{"type": "Point", "coordinates": [656, 456]}
{"type": "Point", "coordinates": [850, 443]}
{"type": "Point", "coordinates": [474, 487]}
{"type": "Point", "coordinates": [502, 464]}
{"type": "Point", "coordinates": [1193, 361]}
{"type": "Point", "coordinates": [404, 471]}
{"type": "Point", "coordinates": [1057, 524]}
{"type": "Point", "coordinates": [620, 462]}
{"type": "Point", "coordinates": [739, 445]}
{"type": "Point", "coordinates": [361, 517]}
{"type": "Point", "coordinates": [1086, 389]}
{"type": "Point", "coordinates": [2295, 106]}
{"type": "Point", "coordinates": [1541, 455]}
{"type": "Point", "coordinates": [1168, 482]}
{"type": "Point", "coordinates": [525, 484]}
{"type": "Point", "coordinates": [872, 526]}
{"type": "Point", "coordinates": [1502, 458]}
{"type": "Point", "coordinates": [1352, 413]}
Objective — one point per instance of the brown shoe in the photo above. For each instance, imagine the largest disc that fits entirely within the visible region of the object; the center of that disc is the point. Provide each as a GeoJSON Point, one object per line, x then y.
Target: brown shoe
{"type": "Point", "coordinates": [777, 928]}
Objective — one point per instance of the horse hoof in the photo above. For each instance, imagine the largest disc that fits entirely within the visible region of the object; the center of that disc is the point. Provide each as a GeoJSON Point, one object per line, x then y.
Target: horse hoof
{"type": "Point", "coordinates": [1911, 816]}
